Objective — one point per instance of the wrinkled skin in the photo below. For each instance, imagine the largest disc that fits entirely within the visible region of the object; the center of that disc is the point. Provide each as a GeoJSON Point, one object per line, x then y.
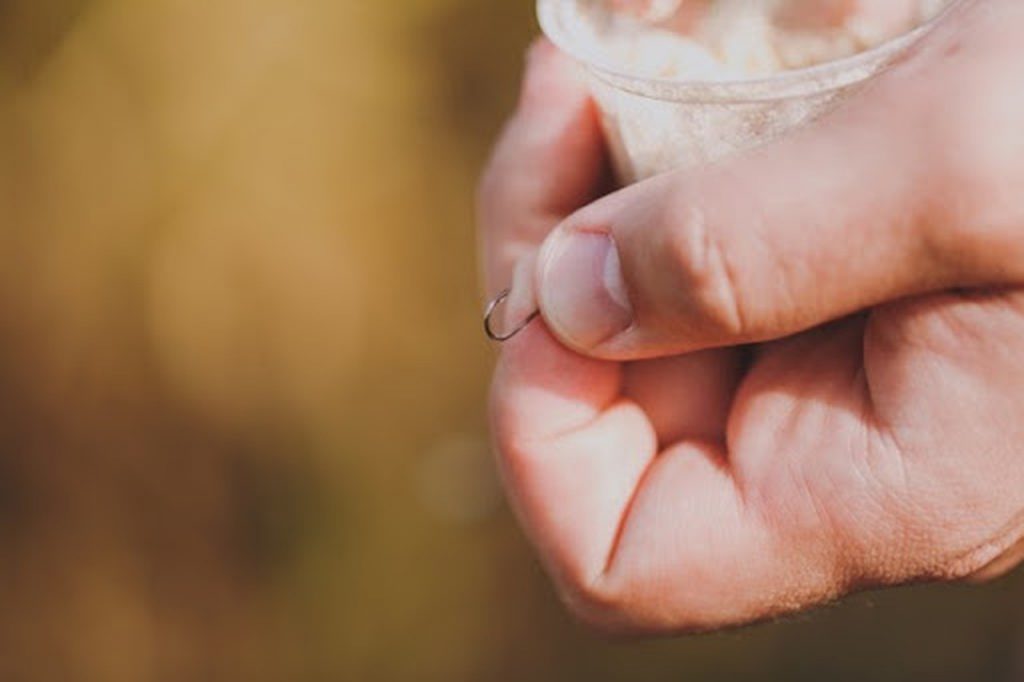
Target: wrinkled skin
{"type": "Point", "coordinates": [820, 386]}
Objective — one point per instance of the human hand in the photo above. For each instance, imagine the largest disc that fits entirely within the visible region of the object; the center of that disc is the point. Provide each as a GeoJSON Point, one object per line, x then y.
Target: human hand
{"type": "Point", "coordinates": [675, 478]}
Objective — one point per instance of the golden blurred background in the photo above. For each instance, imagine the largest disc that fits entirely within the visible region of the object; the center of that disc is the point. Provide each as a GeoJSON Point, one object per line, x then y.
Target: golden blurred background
{"type": "Point", "coordinates": [242, 415]}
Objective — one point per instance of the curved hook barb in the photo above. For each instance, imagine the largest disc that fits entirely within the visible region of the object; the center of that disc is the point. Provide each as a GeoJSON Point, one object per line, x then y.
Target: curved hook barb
{"type": "Point", "coordinates": [492, 308]}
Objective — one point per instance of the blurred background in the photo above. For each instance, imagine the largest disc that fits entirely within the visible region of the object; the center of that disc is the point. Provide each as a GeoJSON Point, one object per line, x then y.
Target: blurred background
{"type": "Point", "coordinates": [242, 429]}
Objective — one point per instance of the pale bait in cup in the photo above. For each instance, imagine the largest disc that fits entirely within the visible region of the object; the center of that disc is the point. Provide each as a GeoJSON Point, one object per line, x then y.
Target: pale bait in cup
{"type": "Point", "coordinates": [721, 76]}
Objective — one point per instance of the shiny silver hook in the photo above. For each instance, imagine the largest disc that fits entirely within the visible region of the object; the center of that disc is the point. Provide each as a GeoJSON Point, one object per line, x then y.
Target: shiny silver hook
{"type": "Point", "coordinates": [492, 308]}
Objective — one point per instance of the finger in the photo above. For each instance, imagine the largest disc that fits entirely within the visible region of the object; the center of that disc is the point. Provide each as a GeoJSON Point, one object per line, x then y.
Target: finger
{"type": "Point", "coordinates": [716, 537]}
{"type": "Point", "coordinates": [752, 250]}
{"type": "Point", "coordinates": [858, 209]}
{"type": "Point", "coordinates": [634, 539]}
{"type": "Point", "coordinates": [686, 396]}
{"type": "Point", "coordinates": [548, 162]}
{"type": "Point", "coordinates": [575, 435]}
{"type": "Point", "coordinates": [571, 453]}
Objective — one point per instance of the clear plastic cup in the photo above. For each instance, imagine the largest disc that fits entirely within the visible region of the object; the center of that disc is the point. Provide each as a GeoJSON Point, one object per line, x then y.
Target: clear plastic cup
{"type": "Point", "coordinates": [655, 125]}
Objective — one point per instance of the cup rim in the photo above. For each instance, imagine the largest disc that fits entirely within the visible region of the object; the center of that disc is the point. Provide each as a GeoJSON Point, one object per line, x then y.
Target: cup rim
{"type": "Point", "coordinates": [811, 80]}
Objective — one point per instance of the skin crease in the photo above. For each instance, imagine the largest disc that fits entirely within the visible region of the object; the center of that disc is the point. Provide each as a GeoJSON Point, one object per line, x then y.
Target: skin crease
{"type": "Point", "coordinates": [677, 479]}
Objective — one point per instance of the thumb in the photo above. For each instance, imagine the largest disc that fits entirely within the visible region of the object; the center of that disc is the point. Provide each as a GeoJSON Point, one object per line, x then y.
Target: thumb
{"type": "Point", "coordinates": [854, 211]}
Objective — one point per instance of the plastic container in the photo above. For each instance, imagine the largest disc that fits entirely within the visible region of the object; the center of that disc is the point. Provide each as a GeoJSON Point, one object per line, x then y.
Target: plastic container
{"type": "Point", "coordinates": [655, 125]}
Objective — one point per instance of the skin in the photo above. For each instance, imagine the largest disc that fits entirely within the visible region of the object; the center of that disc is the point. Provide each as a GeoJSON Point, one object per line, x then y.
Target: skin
{"type": "Point", "coordinates": [819, 389]}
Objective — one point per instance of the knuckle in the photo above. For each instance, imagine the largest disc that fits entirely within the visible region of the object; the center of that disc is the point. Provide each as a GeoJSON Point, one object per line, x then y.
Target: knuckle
{"type": "Point", "coordinates": [634, 603]}
{"type": "Point", "coordinates": [594, 614]}
{"type": "Point", "coordinates": [705, 277]}
{"type": "Point", "coordinates": [608, 611]}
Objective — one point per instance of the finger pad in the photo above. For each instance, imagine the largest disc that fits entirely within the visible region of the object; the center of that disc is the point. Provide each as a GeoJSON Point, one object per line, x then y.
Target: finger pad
{"type": "Point", "coordinates": [541, 388]}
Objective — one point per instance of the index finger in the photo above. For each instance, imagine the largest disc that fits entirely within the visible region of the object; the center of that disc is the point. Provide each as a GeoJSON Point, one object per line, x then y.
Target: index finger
{"type": "Point", "coordinates": [549, 161]}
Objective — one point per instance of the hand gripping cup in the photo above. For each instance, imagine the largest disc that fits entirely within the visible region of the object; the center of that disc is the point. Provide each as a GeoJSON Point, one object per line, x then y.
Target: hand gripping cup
{"type": "Point", "coordinates": [656, 123]}
{"type": "Point", "coordinates": [674, 93]}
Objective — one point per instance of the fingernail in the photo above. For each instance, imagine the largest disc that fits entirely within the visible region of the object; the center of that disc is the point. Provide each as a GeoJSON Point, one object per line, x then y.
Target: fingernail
{"type": "Point", "coordinates": [582, 291]}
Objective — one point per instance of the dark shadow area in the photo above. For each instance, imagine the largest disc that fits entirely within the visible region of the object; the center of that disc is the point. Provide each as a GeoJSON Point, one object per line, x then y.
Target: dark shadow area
{"type": "Point", "coordinates": [30, 32]}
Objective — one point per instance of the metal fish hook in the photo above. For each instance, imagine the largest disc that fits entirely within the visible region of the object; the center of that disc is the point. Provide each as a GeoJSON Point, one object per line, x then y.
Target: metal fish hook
{"type": "Point", "coordinates": [492, 308]}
